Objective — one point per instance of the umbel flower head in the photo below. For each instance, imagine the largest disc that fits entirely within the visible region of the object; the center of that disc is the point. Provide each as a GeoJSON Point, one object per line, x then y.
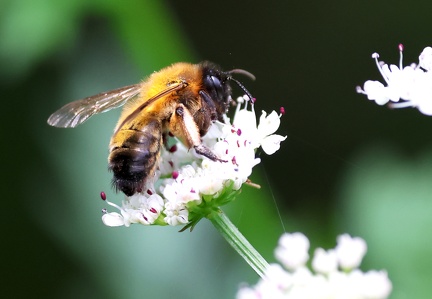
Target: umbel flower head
{"type": "Point", "coordinates": [187, 186]}
{"type": "Point", "coordinates": [334, 273]}
{"type": "Point", "coordinates": [409, 86]}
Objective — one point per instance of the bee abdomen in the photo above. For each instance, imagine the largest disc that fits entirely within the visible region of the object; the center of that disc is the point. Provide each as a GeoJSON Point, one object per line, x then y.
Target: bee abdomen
{"type": "Point", "coordinates": [133, 161]}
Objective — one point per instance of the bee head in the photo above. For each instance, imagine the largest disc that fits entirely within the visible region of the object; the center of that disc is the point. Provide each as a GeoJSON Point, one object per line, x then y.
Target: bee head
{"type": "Point", "coordinates": [216, 82]}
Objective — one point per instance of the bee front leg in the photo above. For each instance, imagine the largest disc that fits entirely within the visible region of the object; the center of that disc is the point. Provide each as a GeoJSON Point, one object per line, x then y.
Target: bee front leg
{"type": "Point", "coordinates": [183, 126]}
{"type": "Point", "coordinates": [206, 152]}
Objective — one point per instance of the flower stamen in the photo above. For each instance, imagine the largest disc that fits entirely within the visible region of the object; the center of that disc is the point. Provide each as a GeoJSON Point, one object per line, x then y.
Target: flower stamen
{"type": "Point", "coordinates": [103, 195]}
{"type": "Point", "coordinates": [379, 66]}
{"type": "Point", "coordinates": [401, 48]}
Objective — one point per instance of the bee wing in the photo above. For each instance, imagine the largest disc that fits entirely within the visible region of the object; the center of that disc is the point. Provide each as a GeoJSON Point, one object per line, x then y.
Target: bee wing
{"type": "Point", "coordinates": [75, 113]}
{"type": "Point", "coordinates": [172, 87]}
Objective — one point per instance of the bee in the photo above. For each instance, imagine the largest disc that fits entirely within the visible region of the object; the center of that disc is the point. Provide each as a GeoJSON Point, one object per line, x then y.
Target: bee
{"type": "Point", "coordinates": [182, 99]}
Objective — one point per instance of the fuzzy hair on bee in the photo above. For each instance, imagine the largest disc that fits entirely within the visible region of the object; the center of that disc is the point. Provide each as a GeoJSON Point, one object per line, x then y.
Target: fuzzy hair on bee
{"type": "Point", "coordinates": [182, 99]}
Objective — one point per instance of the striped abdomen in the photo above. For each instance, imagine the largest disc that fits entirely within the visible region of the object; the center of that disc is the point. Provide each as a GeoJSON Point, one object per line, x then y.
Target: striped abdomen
{"type": "Point", "coordinates": [134, 155]}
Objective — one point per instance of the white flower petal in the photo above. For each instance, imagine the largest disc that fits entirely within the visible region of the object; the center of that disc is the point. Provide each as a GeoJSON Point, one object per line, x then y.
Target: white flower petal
{"type": "Point", "coordinates": [113, 219]}
{"type": "Point", "coordinates": [376, 91]}
{"type": "Point", "coordinates": [268, 124]}
{"type": "Point", "coordinates": [425, 59]}
{"type": "Point", "coordinates": [244, 118]}
{"type": "Point", "coordinates": [271, 144]}
{"type": "Point", "coordinates": [426, 108]}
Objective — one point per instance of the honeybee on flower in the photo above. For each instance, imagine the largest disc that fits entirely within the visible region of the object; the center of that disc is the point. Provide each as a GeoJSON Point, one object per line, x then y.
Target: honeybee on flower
{"type": "Point", "coordinates": [187, 184]}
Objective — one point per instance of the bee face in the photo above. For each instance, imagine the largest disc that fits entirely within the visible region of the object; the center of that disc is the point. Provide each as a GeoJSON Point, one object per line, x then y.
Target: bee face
{"type": "Point", "coordinates": [216, 82]}
{"type": "Point", "coordinates": [182, 99]}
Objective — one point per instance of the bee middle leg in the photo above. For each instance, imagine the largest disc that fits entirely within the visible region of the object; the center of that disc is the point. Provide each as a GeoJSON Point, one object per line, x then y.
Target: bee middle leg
{"type": "Point", "coordinates": [183, 126]}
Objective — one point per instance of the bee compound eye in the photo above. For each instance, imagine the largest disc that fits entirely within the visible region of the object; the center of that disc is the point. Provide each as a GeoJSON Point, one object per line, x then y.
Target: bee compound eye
{"type": "Point", "coordinates": [216, 82]}
{"type": "Point", "coordinates": [218, 87]}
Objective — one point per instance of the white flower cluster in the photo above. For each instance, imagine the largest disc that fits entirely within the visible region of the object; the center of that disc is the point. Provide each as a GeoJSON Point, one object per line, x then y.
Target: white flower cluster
{"type": "Point", "coordinates": [335, 273]}
{"type": "Point", "coordinates": [186, 182]}
{"type": "Point", "coordinates": [409, 86]}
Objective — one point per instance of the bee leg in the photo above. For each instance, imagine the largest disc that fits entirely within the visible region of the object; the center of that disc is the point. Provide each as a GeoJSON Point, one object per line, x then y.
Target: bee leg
{"type": "Point", "coordinates": [184, 127]}
{"type": "Point", "coordinates": [209, 105]}
{"type": "Point", "coordinates": [165, 136]}
{"type": "Point", "coordinates": [206, 152]}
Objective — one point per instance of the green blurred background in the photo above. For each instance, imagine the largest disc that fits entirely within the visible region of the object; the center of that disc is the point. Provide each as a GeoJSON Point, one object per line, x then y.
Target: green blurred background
{"type": "Point", "coordinates": [348, 165]}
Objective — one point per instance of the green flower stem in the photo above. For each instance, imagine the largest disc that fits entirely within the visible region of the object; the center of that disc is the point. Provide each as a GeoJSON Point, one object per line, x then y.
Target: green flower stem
{"type": "Point", "coordinates": [238, 242]}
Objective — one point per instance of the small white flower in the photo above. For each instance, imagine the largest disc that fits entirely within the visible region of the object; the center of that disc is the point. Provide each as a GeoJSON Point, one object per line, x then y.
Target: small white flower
{"type": "Point", "coordinates": [279, 277]}
{"type": "Point", "coordinates": [274, 285]}
{"type": "Point", "coordinates": [328, 282]}
{"type": "Point", "coordinates": [181, 191]}
{"type": "Point", "coordinates": [176, 214]}
{"type": "Point", "coordinates": [409, 86]}
{"type": "Point", "coordinates": [139, 208]}
{"type": "Point", "coordinates": [350, 251]}
{"type": "Point", "coordinates": [292, 250]}
{"type": "Point", "coordinates": [269, 142]}
{"type": "Point", "coordinates": [324, 261]}
{"type": "Point", "coordinates": [263, 134]}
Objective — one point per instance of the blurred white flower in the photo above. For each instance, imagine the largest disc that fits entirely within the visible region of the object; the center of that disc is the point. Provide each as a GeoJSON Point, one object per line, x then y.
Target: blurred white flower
{"type": "Point", "coordinates": [325, 261]}
{"type": "Point", "coordinates": [187, 185]}
{"type": "Point", "coordinates": [292, 250]}
{"type": "Point", "coordinates": [350, 251]}
{"type": "Point", "coordinates": [409, 86]}
{"type": "Point", "coordinates": [330, 280]}
{"type": "Point", "coordinates": [375, 284]}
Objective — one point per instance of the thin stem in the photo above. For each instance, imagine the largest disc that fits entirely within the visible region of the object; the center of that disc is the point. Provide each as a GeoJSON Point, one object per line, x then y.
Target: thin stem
{"type": "Point", "coordinates": [238, 242]}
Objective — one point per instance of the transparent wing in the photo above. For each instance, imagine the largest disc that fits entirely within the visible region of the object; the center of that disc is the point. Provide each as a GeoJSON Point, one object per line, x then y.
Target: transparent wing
{"type": "Point", "coordinates": [75, 113]}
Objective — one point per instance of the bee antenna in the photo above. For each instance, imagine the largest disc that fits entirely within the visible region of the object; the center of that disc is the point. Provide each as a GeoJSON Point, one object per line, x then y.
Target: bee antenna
{"type": "Point", "coordinates": [242, 87]}
{"type": "Point", "coordinates": [242, 72]}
